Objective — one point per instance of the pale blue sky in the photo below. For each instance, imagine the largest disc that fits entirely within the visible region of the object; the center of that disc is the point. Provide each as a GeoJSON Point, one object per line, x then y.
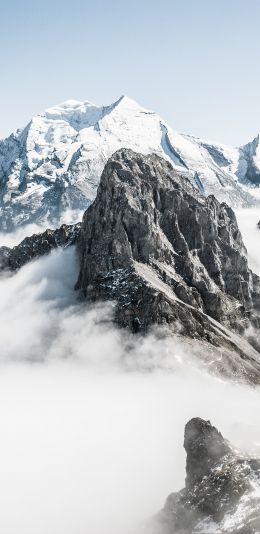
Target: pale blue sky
{"type": "Point", "coordinates": [195, 62]}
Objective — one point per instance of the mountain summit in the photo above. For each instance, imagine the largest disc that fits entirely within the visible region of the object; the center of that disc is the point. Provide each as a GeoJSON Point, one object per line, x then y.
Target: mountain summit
{"type": "Point", "coordinates": [221, 494]}
{"type": "Point", "coordinates": [54, 164]}
{"type": "Point", "coordinates": [167, 257]}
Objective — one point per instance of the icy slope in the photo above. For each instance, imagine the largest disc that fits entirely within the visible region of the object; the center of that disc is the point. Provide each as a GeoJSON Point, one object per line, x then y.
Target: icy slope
{"type": "Point", "coordinates": [53, 165]}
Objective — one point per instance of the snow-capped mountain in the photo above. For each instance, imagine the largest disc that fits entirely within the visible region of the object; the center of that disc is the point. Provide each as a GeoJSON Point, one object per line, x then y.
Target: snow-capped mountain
{"type": "Point", "coordinates": [52, 167]}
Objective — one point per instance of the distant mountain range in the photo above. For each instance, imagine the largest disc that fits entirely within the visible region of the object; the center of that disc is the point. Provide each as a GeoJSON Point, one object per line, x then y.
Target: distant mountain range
{"type": "Point", "coordinates": [50, 170]}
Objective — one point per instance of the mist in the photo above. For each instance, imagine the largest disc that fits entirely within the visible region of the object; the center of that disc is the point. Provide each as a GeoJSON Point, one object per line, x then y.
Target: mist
{"type": "Point", "coordinates": [11, 239]}
{"type": "Point", "coordinates": [247, 221]}
{"type": "Point", "coordinates": [92, 418]}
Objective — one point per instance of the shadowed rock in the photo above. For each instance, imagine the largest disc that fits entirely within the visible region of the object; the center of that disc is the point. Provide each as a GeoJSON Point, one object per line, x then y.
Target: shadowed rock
{"type": "Point", "coordinates": [167, 255]}
{"type": "Point", "coordinates": [149, 223]}
{"type": "Point", "coordinates": [220, 485]}
{"type": "Point", "coordinates": [205, 447]}
{"type": "Point", "coordinates": [38, 245]}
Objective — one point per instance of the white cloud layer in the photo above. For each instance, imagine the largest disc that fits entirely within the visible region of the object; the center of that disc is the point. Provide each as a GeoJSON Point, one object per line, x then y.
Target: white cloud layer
{"type": "Point", "coordinates": [92, 419]}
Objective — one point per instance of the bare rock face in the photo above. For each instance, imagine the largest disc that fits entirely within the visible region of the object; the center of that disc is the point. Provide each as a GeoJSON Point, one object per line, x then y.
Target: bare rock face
{"type": "Point", "coordinates": [166, 254]}
{"type": "Point", "coordinates": [38, 245]}
{"type": "Point", "coordinates": [220, 485]}
{"type": "Point", "coordinates": [205, 447]}
{"type": "Point", "coordinates": [147, 215]}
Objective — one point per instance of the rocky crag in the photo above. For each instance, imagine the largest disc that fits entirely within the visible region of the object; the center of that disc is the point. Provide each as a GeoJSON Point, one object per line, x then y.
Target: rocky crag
{"type": "Point", "coordinates": [149, 223]}
{"type": "Point", "coordinates": [167, 256]}
{"type": "Point", "coordinates": [221, 493]}
{"type": "Point", "coordinates": [37, 245]}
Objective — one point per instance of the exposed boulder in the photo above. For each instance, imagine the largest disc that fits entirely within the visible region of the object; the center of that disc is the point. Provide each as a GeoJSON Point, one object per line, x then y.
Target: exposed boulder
{"type": "Point", "coordinates": [221, 494]}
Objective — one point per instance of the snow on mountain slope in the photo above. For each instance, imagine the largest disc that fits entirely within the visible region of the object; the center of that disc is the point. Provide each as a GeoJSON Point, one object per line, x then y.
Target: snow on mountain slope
{"type": "Point", "coordinates": [52, 167]}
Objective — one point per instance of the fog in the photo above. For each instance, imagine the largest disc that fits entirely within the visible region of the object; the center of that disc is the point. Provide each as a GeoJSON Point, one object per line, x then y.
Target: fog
{"type": "Point", "coordinates": [11, 239]}
{"type": "Point", "coordinates": [247, 220]}
{"type": "Point", "coordinates": [92, 418]}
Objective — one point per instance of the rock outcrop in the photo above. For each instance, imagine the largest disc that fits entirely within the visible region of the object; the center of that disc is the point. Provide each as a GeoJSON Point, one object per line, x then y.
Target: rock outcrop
{"type": "Point", "coordinates": [166, 254]}
{"type": "Point", "coordinates": [147, 220]}
{"type": "Point", "coordinates": [37, 245]}
{"type": "Point", "coordinates": [221, 493]}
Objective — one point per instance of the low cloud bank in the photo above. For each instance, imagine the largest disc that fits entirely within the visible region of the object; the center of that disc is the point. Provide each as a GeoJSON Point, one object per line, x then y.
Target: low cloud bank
{"type": "Point", "coordinates": [11, 239]}
{"type": "Point", "coordinates": [247, 221]}
{"type": "Point", "coordinates": [92, 419]}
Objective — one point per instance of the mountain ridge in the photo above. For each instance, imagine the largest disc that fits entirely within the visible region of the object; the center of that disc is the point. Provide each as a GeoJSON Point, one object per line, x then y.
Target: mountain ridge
{"type": "Point", "coordinates": [167, 256]}
{"type": "Point", "coordinates": [54, 164]}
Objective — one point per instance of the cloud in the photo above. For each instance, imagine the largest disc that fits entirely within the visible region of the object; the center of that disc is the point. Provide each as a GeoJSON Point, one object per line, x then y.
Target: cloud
{"type": "Point", "coordinates": [11, 239]}
{"type": "Point", "coordinates": [247, 221]}
{"type": "Point", "coordinates": [92, 418]}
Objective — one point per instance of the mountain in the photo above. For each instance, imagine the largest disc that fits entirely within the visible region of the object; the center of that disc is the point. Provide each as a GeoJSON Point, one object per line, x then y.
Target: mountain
{"type": "Point", "coordinates": [50, 170]}
{"type": "Point", "coordinates": [221, 493]}
{"type": "Point", "coordinates": [37, 245]}
{"type": "Point", "coordinates": [168, 257]}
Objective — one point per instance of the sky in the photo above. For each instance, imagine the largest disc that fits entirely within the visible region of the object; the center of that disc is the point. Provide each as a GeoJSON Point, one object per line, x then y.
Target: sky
{"type": "Point", "coordinates": [195, 62]}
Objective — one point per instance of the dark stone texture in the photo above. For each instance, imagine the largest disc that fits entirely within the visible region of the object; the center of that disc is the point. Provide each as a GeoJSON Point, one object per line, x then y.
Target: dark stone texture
{"type": "Point", "coordinates": [217, 480]}
{"type": "Point", "coordinates": [166, 254]}
{"type": "Point", "coordinates": [37, 245]}
{"type": "Point", "coordinates": [205, 447]}
{"type": "Point", "coordinates": [168, 257]}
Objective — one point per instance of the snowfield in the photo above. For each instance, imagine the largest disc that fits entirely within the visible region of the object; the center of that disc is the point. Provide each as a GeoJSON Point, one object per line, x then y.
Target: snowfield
{"type": "Point", "coordinates": [52, 167]}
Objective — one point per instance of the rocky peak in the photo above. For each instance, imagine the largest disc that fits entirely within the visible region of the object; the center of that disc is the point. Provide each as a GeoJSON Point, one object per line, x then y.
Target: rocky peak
{"type": "Point", "coordinates": [165, 253]}
{"type": "Point", "coordinates": [54, 164]}
{"type": "Point", "coordinates": [38, 245]}
{"type": "Point", "coordinates": [221, 494]}
{"type": "Point", "coordinates": [205, 447]}
{"type": "Point", "coordinates": [167, 256]}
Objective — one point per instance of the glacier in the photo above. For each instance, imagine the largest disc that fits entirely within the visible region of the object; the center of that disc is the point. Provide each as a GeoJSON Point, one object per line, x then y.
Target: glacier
{"type": "Point", "coordinates": [50, 170]}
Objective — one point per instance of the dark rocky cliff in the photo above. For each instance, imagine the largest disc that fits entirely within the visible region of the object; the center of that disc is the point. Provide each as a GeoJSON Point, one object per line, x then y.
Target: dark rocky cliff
{"type": "Point", "coordinates": [146, 217]}
{"type": "Point", "coordinates": [166, 254]}
{"type": "Point", "coordinates": [220, 484]}
{"type": "Point", "coordinates": [37, 245]}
